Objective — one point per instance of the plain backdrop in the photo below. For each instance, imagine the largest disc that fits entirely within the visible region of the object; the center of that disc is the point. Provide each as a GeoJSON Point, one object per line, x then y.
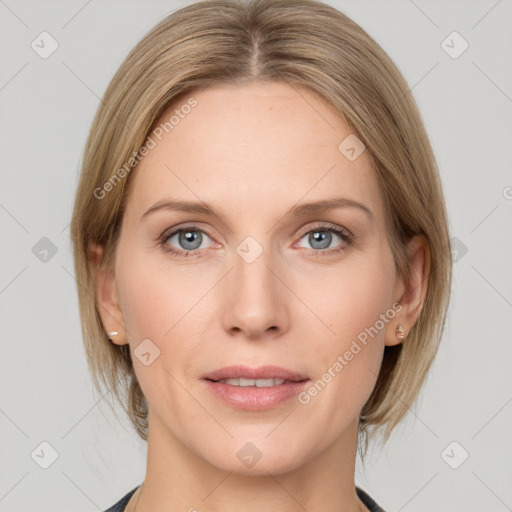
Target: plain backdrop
{"type": "Point", "coordinates": [465, 407]}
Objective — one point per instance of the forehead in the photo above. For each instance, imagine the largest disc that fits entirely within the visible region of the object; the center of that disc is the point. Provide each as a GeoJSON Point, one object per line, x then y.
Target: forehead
{"type": "Point", "coordinates": [263, 144]}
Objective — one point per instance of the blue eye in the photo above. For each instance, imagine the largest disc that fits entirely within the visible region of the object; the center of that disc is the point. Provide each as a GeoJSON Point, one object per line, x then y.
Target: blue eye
{"type": "Point", "coordinates": [321, 238]}
{"type": "Point", "coordinates": [188, 239]}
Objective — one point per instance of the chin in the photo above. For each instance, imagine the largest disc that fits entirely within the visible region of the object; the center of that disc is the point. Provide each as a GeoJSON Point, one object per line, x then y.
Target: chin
{"type": "Point", "coordinates": [256, 459]}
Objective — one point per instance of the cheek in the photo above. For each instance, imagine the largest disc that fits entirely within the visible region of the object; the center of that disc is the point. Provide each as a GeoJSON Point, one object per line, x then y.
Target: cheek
{"type": "Point", "coordinates": [154, 309]}
{"type": "Point", "coordinates": [354, 303]}
{"type": "Point", "coordinates": [347, 299]}
{"type": "Point", "coordinates": [155, 295]}
{"type": "Point", "coordinates": [161, 303]}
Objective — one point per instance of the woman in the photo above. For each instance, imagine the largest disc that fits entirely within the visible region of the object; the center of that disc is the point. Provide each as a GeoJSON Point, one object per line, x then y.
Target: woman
{"type": "Point", "coordinates": [262, 240]}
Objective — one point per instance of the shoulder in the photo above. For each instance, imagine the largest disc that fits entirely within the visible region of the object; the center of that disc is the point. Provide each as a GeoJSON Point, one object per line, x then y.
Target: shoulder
{"type": "Point", "coordinates": [121, 504]}
{"type": "Point", "coordinates": [372, 505]}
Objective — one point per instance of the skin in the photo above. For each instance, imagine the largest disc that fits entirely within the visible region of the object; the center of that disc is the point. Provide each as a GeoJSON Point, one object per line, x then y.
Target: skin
{"type": "Point", "coordinates": [252, 152]}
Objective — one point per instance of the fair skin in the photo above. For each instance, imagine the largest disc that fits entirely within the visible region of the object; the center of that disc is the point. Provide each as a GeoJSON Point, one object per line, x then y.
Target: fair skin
{"type": "Point", "coordinates": [252, 153]}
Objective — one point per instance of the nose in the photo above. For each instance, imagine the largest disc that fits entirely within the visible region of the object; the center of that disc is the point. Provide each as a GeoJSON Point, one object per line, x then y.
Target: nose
{"type": "Point", "coordinates": [256, 300]}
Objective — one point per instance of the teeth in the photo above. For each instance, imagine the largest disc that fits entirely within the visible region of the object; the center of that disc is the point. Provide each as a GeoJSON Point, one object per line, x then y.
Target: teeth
{"type": "Point", "coordinates": [259, 383]}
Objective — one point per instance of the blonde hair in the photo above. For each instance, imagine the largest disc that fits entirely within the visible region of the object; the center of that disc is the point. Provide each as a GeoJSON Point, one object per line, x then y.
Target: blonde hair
{"type": "Point", "coordinates": [302, 42]}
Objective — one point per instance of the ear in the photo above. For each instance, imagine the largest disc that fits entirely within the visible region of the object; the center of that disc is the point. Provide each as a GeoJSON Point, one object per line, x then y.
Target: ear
{"type": "Point", "coordinates": [107, 300]}
{"type": "Point", "coordinates": [411, 292]}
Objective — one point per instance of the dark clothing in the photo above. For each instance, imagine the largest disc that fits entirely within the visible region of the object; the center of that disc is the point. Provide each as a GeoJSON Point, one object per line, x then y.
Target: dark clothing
{"type": "Point", "coordinates": [119, 506]}
{"type": "Point", "coordinates": [368, 501]}
{"type": "Point", "coordinates": [363, 496]}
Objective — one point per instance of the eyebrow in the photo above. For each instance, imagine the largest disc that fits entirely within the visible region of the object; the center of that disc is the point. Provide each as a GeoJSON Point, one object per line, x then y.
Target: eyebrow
{"type": "Point", "coordinates": [300, 210]}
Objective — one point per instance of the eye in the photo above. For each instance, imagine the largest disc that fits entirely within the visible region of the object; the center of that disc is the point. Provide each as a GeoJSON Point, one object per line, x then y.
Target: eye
{"type": "Point", "coordinates": [185, 240]}
{"type": "Point", "coordinates": [321, 237]}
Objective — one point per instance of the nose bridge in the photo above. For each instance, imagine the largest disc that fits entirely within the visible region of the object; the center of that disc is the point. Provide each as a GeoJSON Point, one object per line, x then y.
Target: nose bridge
{"type": "Point", "coordinates": [255, 294]}
{"type": "Point", "coordinates": [252, 274]}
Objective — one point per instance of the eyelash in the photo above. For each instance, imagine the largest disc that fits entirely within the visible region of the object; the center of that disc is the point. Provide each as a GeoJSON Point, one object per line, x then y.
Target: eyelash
{"type": "Point", "coordinates": [344, 234]}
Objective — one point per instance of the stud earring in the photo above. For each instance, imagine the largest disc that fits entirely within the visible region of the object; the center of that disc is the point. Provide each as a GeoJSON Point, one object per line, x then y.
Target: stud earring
{"type": "Point", "coordinates": [111, 334]}
{"type": "Point", "coordinates": [400, 333]}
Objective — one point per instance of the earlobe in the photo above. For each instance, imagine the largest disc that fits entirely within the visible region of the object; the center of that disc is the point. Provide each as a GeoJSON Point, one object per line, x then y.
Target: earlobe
{"type": "Point", "coordinates": [107, 301]}
{"type": "Point", "coordinates": [411, 292]}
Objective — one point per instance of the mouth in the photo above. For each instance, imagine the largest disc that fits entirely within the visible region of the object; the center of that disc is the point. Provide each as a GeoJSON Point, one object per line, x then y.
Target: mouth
{"type": "Point", "coordinates": [247, 376]}
{"type": "Point", "coordinates": [259, 383]}
{"type": "Point", "coordinates": [254, 389]}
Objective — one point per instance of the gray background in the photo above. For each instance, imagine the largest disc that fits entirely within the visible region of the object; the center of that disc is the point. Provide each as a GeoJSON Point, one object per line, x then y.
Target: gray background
{"type": "Point", "coordinates": [46, 392]}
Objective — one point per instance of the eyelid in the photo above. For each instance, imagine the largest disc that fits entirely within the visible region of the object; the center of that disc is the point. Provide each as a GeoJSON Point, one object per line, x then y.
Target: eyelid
{"type": "Point", "coordinates": [323, 225]}
{"type": "Point", "coordinates": [184, 227]}
{"type": "Point", "coordinates": [318, 225]}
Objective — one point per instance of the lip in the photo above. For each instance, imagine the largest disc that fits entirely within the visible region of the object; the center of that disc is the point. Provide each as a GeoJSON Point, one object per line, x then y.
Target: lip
{"type": "Point", "coordinates": [262, 372]}
{"type": "Point", "coordinates": [251, 398]}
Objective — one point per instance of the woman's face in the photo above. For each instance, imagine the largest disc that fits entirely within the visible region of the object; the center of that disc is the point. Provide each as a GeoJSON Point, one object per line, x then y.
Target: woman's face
{"type": "Point", "coordinates": [261, 281]}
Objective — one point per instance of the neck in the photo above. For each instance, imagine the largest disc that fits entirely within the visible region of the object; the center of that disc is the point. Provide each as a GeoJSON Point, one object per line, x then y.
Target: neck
{"type": "Point", "coordinates": [178, 479]}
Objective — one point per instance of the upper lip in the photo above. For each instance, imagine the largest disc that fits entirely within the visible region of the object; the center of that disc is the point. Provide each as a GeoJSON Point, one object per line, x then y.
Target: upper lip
{"type": "Point", "coordinates": [262, 372]}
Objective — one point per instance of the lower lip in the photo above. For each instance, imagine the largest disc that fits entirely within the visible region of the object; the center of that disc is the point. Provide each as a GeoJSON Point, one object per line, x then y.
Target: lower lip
{"type": "Point", "coordinates": [252, 398]}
